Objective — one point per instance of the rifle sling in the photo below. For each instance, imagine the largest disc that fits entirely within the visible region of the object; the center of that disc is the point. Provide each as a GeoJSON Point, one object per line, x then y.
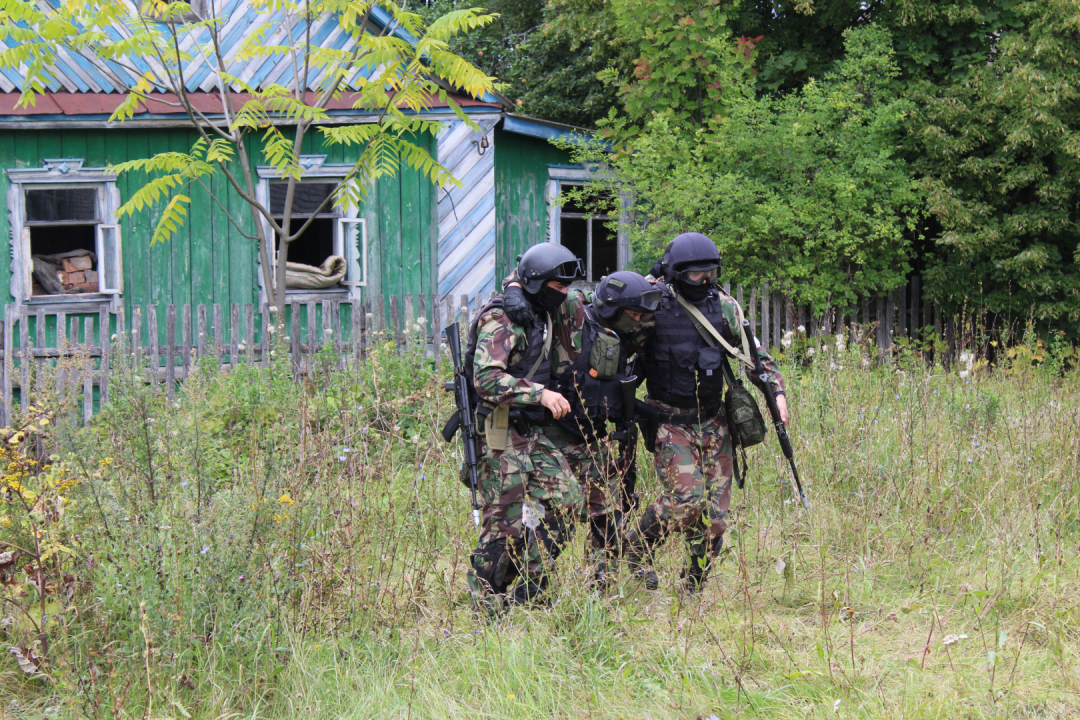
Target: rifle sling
{"type": "Point", "coordinates": [713, 336]}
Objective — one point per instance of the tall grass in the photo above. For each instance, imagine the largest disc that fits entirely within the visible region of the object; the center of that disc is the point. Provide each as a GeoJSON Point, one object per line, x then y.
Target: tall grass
{"type": "Point", "coordinates": [265, 549]}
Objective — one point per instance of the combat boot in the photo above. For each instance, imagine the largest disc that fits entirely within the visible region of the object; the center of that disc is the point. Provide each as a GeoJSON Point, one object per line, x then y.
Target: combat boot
{"type": "Point", "coordinates": [639, 544]}
{"type": "Point", "coordinates": [696, 572]}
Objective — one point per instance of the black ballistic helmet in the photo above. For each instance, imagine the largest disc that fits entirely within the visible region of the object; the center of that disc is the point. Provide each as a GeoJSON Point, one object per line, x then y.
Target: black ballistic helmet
{"type": "Point", "coordinates": [547, 261]}
{"type": "Point", "coordinates": [625, 289]}
{"type": "Point", "coordinates": [690, 252]}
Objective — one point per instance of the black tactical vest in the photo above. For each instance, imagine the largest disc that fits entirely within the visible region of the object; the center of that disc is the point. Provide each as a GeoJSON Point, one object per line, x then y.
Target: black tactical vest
{"type": "Point", "coordinates": [680, 368]}
{"type": "Point", "coordinates": [593, 402]}
{"type": "Point", "coordinates": [535, 345]}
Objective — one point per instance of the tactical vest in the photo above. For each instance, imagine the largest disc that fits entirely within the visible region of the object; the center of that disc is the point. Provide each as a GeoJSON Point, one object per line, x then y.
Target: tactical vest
{"type": "Point", "coordinates": [680, 368]}
{"type": "Point", "coordinates": [593, 402]}
{"type": "Point", "coordinates": [534, 339]}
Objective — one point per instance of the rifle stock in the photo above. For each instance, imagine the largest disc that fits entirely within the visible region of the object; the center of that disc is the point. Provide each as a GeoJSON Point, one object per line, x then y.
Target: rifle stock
{"type": "Point", "coordinates": [464, 418]}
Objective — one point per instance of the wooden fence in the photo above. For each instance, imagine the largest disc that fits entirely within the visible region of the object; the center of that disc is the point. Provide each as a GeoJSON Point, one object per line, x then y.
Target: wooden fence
{"type": "Point", "coordinates": [80, 348]}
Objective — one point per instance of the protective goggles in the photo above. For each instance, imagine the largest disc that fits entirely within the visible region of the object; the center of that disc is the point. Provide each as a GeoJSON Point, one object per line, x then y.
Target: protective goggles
{"type": "Point", "coordinates": [698, 275]}
{"type": "Point", "coordinates": [647, 301]}
{"type": "Point", "coordinates": [568, 271]}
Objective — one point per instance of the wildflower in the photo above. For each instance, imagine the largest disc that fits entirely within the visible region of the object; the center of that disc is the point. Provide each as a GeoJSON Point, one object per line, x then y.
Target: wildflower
{"type": "Point", "coordinates": [328, 331]}
{"type": "Point", "coordinates": [421, 320]}
{"type": "Point", "coordinates": [347, 450]}
{"type": "Point", "coordinates": [270, 329]}
{"type": "Point", "coordinates": [801, 329]}
{"type": "Point", "coordinates": [935, 392]}
{"type": "Point", "coordinates": [286, 500]}
{"type": "Point", "coordinates": [342, 458]}
{"type": "Point", "coordinates": [183, 483]}
{"type": "Point", "coordinates": [970, 460]}
{"type": "Point", "coordinates": [950, 639]}
{"type": "Point", "coordinates": [204, 550]}
{"type": "Point", "coordinates": [964, 374]}
{"type": "Point", "coordinates": [423, 477]}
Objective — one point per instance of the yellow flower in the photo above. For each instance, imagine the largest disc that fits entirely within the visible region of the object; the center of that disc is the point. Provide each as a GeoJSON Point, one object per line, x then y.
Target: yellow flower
{"type": "Point", "coordinates": [286, 500]}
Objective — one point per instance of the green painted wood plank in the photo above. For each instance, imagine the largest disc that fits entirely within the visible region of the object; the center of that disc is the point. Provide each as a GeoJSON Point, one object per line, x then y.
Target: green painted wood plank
{"type": "Point", "coordinates": [390, 215]}
{"type": "Point", "coordinates": [201, 245]}
{"type": "Point", "coordinates": [242, 252]}
{"type": "Point", "coordinates": [50, 145]}
{"type": "Point", "coordinates": [180, 270]}
{"type": "Point", "coordinates": [95, 148]}
{"type": "Point", "coordinates": [412, 258]}
{"type": "Point", "coordinates": [136, 229]}
{"type": "Point", "coordinates": [73, 145]}
{"type": "Point", "coordinates": [160, 255]}
{"type": "Point", "coordinates": [218, 268]}
{"type": "Point", "coordinates": [26, 150]}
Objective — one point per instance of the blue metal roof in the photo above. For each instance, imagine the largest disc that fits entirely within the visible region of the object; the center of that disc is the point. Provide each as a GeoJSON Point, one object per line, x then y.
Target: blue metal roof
{"type": "Point", "coordinates": [85, 73]}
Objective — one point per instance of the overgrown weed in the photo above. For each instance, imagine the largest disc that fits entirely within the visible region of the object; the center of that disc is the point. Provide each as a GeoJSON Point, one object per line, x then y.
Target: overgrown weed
{"type": "Point", "coordinates": [267, 548]}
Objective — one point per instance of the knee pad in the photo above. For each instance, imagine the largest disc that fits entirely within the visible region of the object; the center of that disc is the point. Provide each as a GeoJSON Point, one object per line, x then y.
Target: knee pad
{"type": "Point", "coordinates": [491, 563]}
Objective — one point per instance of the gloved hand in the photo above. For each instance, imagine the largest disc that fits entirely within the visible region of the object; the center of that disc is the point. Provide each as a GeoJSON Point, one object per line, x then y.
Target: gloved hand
{"type": "Point", "coordinates": [517, 307]}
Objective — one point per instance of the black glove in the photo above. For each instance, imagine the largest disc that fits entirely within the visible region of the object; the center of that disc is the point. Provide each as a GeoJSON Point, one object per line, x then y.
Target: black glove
{"type": "Point", "coordinates": [517, 307]}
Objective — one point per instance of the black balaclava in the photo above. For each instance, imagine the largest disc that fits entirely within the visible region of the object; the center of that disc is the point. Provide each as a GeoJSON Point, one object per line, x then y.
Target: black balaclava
{"type": "Point", "coordinates": [694, 293]}
{"type": "Point", "coordinates": [548, 299]}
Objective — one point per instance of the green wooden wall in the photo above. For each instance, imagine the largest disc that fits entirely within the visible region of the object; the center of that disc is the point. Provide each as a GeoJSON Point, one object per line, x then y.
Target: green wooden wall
{"type": "Point", "coordinates": [521, 175]}
{"type": "Point", "coordinates": [208, 260]}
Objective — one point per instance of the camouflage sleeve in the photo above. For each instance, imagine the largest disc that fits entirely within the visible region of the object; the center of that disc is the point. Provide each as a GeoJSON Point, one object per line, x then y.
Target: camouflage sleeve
{"type": "Point", "coordinates": [497, 341]}
{"type": "Point", "coordinates": [569, 323]}
{"type": "Point", "coordinates": [732, 312]}
{"type": "Point", "coordinates": [512, 277]}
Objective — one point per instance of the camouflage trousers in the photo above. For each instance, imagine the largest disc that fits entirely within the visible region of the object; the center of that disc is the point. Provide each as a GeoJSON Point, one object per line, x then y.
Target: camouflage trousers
{"type": "Point", "coordinates": [694, 464]}
{"type": "Point", "coordinates": [530, 502]}
{"type": "Point", "coordinates": [595, 465]}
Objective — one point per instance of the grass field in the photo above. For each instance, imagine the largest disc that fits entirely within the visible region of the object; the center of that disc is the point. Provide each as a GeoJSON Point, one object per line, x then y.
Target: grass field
{"type": "Point", "coordinates": [264, 550]}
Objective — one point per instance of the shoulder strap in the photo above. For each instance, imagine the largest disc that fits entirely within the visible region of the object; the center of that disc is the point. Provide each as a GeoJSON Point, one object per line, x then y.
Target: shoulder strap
{"type": "Point", "coordinates": [544, 352]}
{"type": "Point", "coordinates": [713, 336]}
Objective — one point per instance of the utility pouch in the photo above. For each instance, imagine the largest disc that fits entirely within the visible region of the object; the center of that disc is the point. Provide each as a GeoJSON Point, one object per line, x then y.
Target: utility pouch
{"type": "Point", "coordinates": [604, 356]}
{"type": "Point", "coordinates": [497, 427]}
{"type": "Point", "coordinates": [745, 423]}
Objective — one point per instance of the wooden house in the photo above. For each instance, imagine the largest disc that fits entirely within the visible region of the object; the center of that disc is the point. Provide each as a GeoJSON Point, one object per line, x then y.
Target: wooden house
{"type": "Point", "coordinates": [408, 237]}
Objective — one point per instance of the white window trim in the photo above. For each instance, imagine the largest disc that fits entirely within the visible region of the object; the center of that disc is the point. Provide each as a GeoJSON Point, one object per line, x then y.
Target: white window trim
{"type": "Point", "coordinates": [315, 167]}
{"type": "Point", "coordinates": [557, 176]}
{"type": "Point", "coordinates": [56, 174]}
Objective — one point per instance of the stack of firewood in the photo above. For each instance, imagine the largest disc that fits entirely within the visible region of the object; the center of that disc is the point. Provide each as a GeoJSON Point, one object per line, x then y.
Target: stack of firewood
{"type": "Point", "coordinates": [78, 275]}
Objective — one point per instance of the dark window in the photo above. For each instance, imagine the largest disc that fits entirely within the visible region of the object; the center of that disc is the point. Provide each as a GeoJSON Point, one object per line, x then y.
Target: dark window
{"type": "Point", "coordinates": [584, 230]}
{"type": "Point", "coordinates": [61, 205]}
{"type": "Point", "coordinates": [315, 245]}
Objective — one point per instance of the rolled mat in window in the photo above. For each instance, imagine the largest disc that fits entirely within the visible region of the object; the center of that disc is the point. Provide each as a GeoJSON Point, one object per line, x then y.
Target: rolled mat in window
{"type": "Point", "coordinates": [309, 277]}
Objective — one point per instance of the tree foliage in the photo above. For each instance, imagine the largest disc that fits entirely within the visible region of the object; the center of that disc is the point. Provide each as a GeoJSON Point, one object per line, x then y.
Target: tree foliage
{"type": "Point", "coordinates": [411, 55]}
{"type": "Point", "coordinates": [999, 155]}
{"type": "Point", "coordinates": [803, 190]}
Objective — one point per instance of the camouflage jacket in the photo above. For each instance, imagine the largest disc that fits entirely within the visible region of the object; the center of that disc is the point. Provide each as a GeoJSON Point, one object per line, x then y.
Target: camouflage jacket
{"type": "Point", "coordinates": [500, 344]}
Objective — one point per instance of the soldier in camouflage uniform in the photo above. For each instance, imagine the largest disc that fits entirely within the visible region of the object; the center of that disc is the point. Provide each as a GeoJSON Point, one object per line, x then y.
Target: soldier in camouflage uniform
{"type": "Point", "coordinates": [684, 378]}
{"type": "Point", "coordinates": [597, 346]}
{"type": "Point", "coordinates": [530, 497]}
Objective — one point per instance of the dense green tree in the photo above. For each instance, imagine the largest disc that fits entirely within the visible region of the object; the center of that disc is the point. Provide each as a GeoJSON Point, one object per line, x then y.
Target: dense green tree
{"type": "Point", "coordinates": [802, 190]}
{"type": "Point", "coordinates": [999, 154]}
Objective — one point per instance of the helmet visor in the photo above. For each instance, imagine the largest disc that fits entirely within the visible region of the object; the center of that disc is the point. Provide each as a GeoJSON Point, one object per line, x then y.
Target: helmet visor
{"type": "Point", "coordinates": [647, 301]}
{"type": "Point", "coordinates": [697, 275]}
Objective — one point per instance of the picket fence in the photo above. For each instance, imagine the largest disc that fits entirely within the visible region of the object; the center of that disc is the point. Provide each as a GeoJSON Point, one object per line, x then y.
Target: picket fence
{"type": "Point", "coordinates": [81, 348]}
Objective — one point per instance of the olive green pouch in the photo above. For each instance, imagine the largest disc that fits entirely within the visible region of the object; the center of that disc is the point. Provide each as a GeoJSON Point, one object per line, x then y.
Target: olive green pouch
{"type": "Point", "coordinates": [604, 356]}
{"type": "Point", "coordinates": [744, 418]}
{"type": "Point", "coordinates": [497, 428]}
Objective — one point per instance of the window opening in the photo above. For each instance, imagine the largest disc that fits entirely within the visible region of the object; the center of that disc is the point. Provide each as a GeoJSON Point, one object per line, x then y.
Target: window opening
{"type": "Point", "coordinates": [62, 227]}
{"type": "Point", "coordinates": [315, 259]}
{"type": "Point", "coordinates": [584, 230]}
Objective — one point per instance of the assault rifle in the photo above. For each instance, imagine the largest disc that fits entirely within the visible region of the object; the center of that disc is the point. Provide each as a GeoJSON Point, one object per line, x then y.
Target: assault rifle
{"type": "Point", "coordinates": [774, 411]}
{"type": "Point", "coordinates": [464, 417]}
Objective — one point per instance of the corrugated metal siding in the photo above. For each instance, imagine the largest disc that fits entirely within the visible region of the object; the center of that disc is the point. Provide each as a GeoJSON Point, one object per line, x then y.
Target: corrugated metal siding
{"type": "Point", "coordinates": [466, 215]}
{"type": "Point", "coordinates": [75, 72]}
{"type": "Point", "coordinates": [521, 175]}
